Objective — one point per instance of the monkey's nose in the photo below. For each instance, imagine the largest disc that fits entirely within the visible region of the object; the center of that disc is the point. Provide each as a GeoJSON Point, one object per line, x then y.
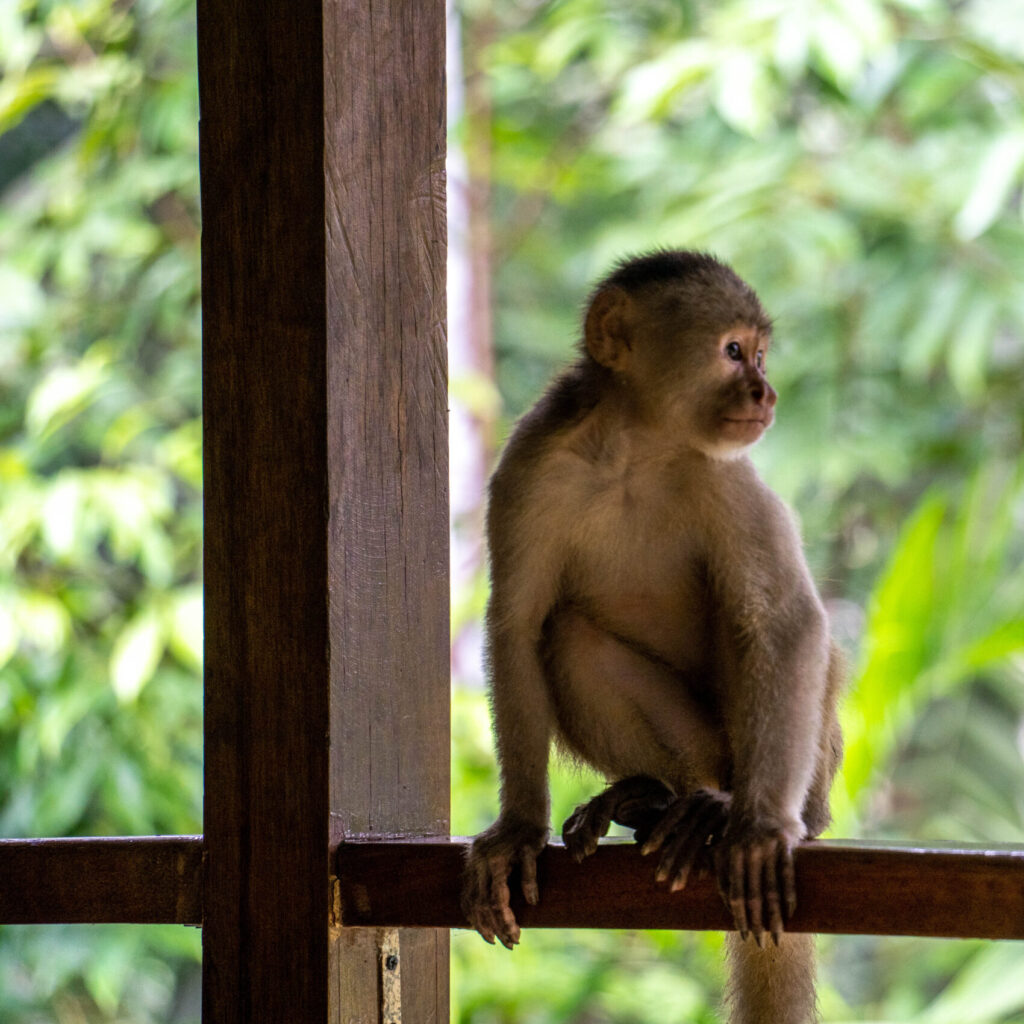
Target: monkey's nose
{"type": "Point", "coordinates": [762, 392]}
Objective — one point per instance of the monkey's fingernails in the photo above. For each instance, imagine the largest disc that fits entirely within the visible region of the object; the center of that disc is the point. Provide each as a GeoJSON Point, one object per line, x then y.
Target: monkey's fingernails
{"type": "Point", "coordinates": [759, 939]}
{"type": "Point", "coordinates": [682, 876]}
{"type": "Point", "coordinates": [777, 937]}
{"type": "Point", "coordinates": [531, 893]}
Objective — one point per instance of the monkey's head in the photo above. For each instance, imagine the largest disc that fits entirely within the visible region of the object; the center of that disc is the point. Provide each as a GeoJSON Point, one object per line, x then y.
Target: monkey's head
{"type": "Point", "coordinates": [686, 340]}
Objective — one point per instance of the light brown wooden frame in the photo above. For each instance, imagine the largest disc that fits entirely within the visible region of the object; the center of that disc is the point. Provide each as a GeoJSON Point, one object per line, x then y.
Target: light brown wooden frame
{"type": "Point", "coordinates": [324, 873]}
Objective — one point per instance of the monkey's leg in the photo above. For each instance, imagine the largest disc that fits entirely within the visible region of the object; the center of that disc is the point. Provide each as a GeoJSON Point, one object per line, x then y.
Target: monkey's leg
{"type": "Point", "coordinates": [637, 802]}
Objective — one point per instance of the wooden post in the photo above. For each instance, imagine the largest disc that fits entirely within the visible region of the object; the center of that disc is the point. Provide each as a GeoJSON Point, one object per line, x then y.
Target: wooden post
{"type": "Point", "coordinates": [325, 454]}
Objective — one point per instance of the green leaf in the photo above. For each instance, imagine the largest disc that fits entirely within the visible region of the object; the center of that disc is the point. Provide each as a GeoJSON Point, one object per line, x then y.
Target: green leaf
{"type": "Point", "coordinates": [971, 342]}
{"type": "Point", "coordinates": [135, 655]}
{"type": "Point", "coordinates": [990, 988]}
{"type": "Point", "coordinates": [8, 631]}
{"type": "Point", "coordinates": [65, 391]}
{"type": "Point", "coordinates": [999, 173]}
{"type": "Point", "coordinates": [19, 94]}
{"type": "Point", "coordinates": [185, 631]}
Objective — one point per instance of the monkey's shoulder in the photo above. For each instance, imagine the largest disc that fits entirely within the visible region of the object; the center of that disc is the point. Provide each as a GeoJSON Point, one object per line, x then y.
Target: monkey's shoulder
{"type": "Point", "coordinates": [568, 401]}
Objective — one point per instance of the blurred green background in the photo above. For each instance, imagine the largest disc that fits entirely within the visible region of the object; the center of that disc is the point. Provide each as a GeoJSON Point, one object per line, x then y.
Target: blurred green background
{"type": "Point", "coordinates": [861, 162]}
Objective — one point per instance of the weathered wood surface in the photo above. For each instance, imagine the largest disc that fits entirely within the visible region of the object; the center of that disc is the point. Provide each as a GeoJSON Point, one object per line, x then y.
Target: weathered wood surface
{"type": "Point", "coordinates": [842, 888]}
{"type": "Point", "coordinates": [388, 460]}
{"type": "Point", "coordinates": [325, 460]}
{"type": "Point", "coordinates": [846, 888]}
{"type": "Point", "coordinates": [146, 880]}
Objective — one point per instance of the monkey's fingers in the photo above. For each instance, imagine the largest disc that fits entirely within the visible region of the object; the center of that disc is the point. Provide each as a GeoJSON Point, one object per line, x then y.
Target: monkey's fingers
{"type": "Point", "coordinates": [679, 811]}
{"type": "Point", "coordinates": [669, 824]}
{"type": "Point", "coordinates": [755, 862]}
{"type": "Point", "coordinates": [475, 898]}
{"type": "Point", "coordinates": [736, 895]}
{"type": "Point", "coordinates": [640, 803]}
{"type": "Point", "coordinates": [503, 920]}
{"type": "Point", "coordinates": [774, 872]}
{"type": "Point", "coordinates": [683, 848]}
{"type": "Point", "coordinates": [586, 825]}
{"type": "Point", "coordinates": [788, 872]}
{"type": "Point", "coordinates": [528, 868]}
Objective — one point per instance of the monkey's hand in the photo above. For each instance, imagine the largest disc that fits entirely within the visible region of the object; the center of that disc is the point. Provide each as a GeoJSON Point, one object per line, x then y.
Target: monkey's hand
{"type": "Point", "coordinates": [638, 802]}
{"type": "Point", "coordinates": [485, 880]}
{"type": "Point", "coordinates": [756, 878]}
{"type": "Point", "coordinates": [684, 831]}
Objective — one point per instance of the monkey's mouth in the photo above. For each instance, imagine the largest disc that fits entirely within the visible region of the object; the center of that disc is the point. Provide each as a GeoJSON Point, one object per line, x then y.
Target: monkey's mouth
{"type": "Point", "coordinates": [762, 422]}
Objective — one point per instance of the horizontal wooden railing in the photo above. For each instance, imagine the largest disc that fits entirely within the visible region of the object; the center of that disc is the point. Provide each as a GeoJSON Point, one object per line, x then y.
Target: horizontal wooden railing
{"type": "Point", "coordinates": [953, 891]}
{"type": "Point", "coordinates": [842, 887]}
{"type": "Point", "coordinates": [141, 880]}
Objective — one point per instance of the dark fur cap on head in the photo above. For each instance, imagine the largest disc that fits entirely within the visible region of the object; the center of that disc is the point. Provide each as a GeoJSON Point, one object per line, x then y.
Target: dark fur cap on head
{"type": "Point", "coordinates": [710, 294]}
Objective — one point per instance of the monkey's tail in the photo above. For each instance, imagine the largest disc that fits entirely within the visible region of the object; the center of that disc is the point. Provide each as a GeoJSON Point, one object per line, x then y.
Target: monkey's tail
{"type": "Point", "coordinates": [773, 985]}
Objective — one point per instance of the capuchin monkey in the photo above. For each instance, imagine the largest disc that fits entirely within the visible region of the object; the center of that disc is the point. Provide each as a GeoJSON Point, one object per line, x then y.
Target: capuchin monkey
{"type": "Point", "coordinates": [651, 612]}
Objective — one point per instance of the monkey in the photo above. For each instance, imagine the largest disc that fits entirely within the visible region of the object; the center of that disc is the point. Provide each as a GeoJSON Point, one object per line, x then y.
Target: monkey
{"type": "Point", "coordinates": [652, 613]}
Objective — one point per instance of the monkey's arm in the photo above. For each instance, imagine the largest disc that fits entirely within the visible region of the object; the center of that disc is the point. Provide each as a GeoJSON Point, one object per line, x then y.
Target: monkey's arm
{"type": "Point", "coordinates": [525, 573]}
{"type": "Point", "coordinates": [522, 728]}
{"type": "Point", "coordinates": [774, 680]}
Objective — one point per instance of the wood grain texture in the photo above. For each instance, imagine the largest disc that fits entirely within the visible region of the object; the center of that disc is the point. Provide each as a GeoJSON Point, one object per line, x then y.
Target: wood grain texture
{"type": "Point", "coordinates": [387, 378]}
{"type": "Point", "coordinates": [265, 502]}
{"type": "Point", "coordinates": [842, 888]}
{"type": "Point", "coordinates": [144, 880]}
{"type": "Point", "coordinates": [325, 460]}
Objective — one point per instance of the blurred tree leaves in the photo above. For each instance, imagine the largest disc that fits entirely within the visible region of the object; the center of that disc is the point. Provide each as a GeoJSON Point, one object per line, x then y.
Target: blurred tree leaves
{"type": "Point", "coordinates": [860, 162]}
{"type": "Point", "coordinates": [100, 473]}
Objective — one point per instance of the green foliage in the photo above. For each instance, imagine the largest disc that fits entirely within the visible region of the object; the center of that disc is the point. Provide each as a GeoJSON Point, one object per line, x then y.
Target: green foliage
{"type": "Point", "coordinates": [100, 473]}
{"type": "Point", "coordinates": [862, 164]}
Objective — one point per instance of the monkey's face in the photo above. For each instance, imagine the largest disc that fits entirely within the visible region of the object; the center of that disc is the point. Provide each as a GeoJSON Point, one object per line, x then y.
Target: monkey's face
{"type": "Point", "coordinates": [693, 364]}
{"type": "Point", "coordinates": [743, 405]}
{"type": "Point", "coordinates": [722, 395]}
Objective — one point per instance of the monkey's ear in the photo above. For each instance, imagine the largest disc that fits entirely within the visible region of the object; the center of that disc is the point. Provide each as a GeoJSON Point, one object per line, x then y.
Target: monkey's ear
{"type": "Point", "coordinates": [607, 329]}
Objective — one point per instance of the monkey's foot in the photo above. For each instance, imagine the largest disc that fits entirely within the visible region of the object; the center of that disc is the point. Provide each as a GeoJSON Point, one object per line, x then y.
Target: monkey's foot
{"type": "Point", "coordinates": [638, 802]}
{"type": "Point", "coordinates": [486, 897]}
{"type": "Point", "coordinates": [689, 825]}
{"type": "Point", "coordinates": [757, 881]}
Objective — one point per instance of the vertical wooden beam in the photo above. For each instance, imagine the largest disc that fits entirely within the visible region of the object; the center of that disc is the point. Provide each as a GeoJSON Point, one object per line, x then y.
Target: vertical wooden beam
{"type": "Point", "coordinates": [325, 454]}
{"type": "Point", "coordinates": [386, 242]}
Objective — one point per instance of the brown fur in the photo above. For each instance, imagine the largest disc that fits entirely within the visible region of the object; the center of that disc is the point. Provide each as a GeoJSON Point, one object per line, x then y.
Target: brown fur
{"type": "Point", "coordinates": [652, 612]}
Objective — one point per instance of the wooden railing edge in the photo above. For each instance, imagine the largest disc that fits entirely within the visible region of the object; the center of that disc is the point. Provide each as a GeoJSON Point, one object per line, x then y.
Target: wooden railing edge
{"type": "Point", "coordinates": [843, 887]}
{"type": "Point", "coordinates": [949, 890]}
{"type": "Point", "coordinates": [134, 879]}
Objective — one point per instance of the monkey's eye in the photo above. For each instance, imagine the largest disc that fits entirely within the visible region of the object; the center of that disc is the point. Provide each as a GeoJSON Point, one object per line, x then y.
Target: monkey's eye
{"type": "Point", "coordinates": [734, 351]}
{"type": "Point", "coordinates": [759, 359]}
